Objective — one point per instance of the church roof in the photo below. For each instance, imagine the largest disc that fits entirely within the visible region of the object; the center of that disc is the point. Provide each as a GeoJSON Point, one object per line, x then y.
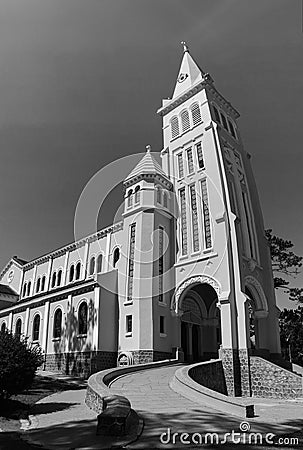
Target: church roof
{"type": "Point", "coordinates": [19, 260]}
{"type": "Point", "coordinates": [147, 165]}
{"type": "Point", "coordinates": [189, 73]}
{"type": "Point", "coordinates": [4, 289]}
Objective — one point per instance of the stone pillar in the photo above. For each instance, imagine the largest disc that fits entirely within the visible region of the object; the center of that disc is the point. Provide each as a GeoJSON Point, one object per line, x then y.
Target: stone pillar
{"type": "Point", "coordinates": [34, 281]}
{"type": "Point", "coordinates": [97, 293]}
{"type": "Point", "coordinates": [190, 340]}
{"type": "Point", "coordinates": [64, 281]}
{"type": "Point", "coordinates": [49, 273]}
{"type": "Point", "coordinates": [26, 322]}
{"type": "Point", "coordinates": [45, 327]}
{"type": "Point", "coordinates": [244, 344]}
{"type": "Point", "coordinates": [69, 319]}
{"type": "Point", "coordinates": [107, 252]}
{"type": "Point", "coordinates": [10, 321]}
{"type": "Point", "coordinates": [84, 268]}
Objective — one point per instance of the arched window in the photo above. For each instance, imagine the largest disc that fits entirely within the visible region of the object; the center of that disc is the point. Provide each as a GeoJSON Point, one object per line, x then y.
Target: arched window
{"type": "Point", "coordinates": [217, 115]}
{"type": "Point", "coordinates": [92, 265]}
{"type": "Point", "coordinates": [43, 283]}
{"type": "Point", "coordinates": [130, 198]}
{"type": "Point", "coordinates": [224, 121]}
{"type": "Point", "coordinates": [78, 270]}
{"type": "Point", "coordinates": [137, 194]}
{"type": "Point", "coordinates": [116, 256]}
{"type": "Point", "coordinates": [54, 277]}
{"type": "Point", "coordinates": [174, 124]}
{"type": "Point", "coordinates": [3, 327]}
{"type": "Point", "coordinates": [29, 288]}
{"type": "Point", "coordinates": [38, 284]}
{"type": "Point", "coordinates": [71, 272]}
{"type": "Point", "coordinates": [57, 323]}
{"type": "Point", "coordinates": [24, 289]}
{"type": "Point", "coordinates": [82, 318]}
{"type": "Point", "coordinates": [165, 199]}
{"type": "Point", "coordinates": [159, 194]}
{"type": "Point", "coordinates": [231, 128]}
{"type": "Point", "coordinates": [18, 327]}
{"type": "Point", "coordinates": [36, 327]}
{"type": "Point", "coordinates": [196, 114]}
{"type": "Point", "coordinates": [99, 263]}
{"type": "Point", "coordinates": [59, 277]}
{"type": "Point", "coordinates": [185, 121]}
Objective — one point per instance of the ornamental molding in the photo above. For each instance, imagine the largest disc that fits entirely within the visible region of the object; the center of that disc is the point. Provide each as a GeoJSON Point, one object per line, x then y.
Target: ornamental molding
{"type": "Point", "coordinates": [198, 279]}
{"type": "Point", "coordinates": [251, 281]}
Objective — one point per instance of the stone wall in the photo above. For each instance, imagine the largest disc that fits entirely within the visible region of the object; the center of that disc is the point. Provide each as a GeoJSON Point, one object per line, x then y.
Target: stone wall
{"type": "Point", "coordinates": [210, 375]}
{"type": "Point", "coordinates": [271, 381]}
{"type": "Point", "coordinates": [81, 364]}
{"type": "Point", "coordinates": [147, 356]}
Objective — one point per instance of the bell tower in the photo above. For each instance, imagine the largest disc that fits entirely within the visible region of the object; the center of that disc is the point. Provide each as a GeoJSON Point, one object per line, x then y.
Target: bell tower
{"type": "Point", "coordinates": [220, 231]}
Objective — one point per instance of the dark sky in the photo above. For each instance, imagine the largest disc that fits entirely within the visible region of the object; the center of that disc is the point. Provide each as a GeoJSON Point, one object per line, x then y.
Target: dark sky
{"type": "Point", "coordinates": [80, 81]}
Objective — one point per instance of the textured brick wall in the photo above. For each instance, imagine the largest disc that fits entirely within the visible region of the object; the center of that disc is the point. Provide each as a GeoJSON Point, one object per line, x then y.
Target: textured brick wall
{"type": "Point", "coordinates": [210, 375]}
{"type": "Point", "coordinates": [147, 356]}
{"type": "Point", "coordinates": [271, 381]}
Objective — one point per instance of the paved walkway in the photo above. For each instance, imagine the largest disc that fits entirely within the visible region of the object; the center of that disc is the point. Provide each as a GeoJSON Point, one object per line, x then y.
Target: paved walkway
{"type": "Point", "coordinates": [63, 421]}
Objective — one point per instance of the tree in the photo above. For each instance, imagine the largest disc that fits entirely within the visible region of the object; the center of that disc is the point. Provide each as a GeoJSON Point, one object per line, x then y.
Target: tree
{"type": "Point", "coordinates": [285, 263]}
{"type": "Point", "coordinates": [291, 333]}
{"type": "Point", "coordinates": [18, 364]}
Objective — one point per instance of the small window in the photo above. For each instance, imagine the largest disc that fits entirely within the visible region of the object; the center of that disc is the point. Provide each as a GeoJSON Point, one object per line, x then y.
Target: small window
{"type": "Point", "coordinates": [3, 327]}
{"type": "Point", "coordinates": [29, 288]}
{"type": "Point", "coordinates": [185, 121]}
{"type": "Point", "coordinates": [43, 283]}
{"type": "Point", "coordinates": [217, 115]}
{"type": "Point", "coordinates": [231, 128]}
{"type": "Point", "coordinates": [174, 123]}
{"type": "Point", "coordinates": [78, 270]}
{"type": "Point", "coordinates": [18, 328]}
{"type": "Point", "coordinates": [196, 114]}
{"type": "Point", "coordinates": [137, 194]}
{"type": "Point", "coordinates": [38, 284]}
{"type": "Point", "coordinates": [200, 156]}
{"type": "Point", "coordinates": [129, 198]}
{"type": "Point", "coordinates": [159, 194]}
{"type": "Point", "coordinates": [180, 165]}
{"type": "Point", "coordinates": [71, 272]}
{"type": "Point", "coordinates": [57, 323]}
{"type": "Point", "coordinates": [165, 199]}
{"type": "Point", "coordinates": [36, 327]}
{"type": "Point", "coordinates": [99, 264]}
{"type": "Point", "coordinates": [54, 278]}
{"type": "Point", "coordinates": [129, 324]}
{"type": "Point", "coordinates": [59, 277]}
{"type": "Point", "coordinates": [24, 289]}
{"type": "Point", "coordinates": [224, 121]}
{"type": "Point", "coordinates": [92, 265]}
{"type": "Point", "coordinates": [190, 161]}
{"type": "Point", "coordinates": [82, 318]}
{"type": "Point", "coordinates": [116, 256]}
{"type": "Point", "coordinates": [162, 324]}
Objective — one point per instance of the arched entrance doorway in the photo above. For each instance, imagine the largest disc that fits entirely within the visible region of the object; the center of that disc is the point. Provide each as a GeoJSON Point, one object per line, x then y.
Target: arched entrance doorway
{"type": "Point", "coordinates": [200, 323]}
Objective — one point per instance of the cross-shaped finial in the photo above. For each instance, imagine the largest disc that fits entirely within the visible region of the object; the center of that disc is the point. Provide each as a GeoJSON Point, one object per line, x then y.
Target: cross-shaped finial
{"type": "Point", "coordinates": [148, 148]}
{"type": "Point", "coordinates": [185, 46]}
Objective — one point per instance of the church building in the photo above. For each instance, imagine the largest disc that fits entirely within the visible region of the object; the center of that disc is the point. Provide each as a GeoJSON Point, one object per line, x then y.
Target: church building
{"type": "Point", "coordinates": [187, 272]}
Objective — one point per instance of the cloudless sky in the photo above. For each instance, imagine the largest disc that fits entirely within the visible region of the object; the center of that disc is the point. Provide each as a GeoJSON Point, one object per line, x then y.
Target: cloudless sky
{"type": "Point", "coordinates": [81, 80]}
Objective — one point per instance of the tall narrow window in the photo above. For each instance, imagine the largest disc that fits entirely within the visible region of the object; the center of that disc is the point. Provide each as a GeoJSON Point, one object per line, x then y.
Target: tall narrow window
{"type": "Point", "coordinates": [180, 165]}
{"type": "Point", "coordinates": [129, 198]}
{"type": "Point", "coordinates": [59, 277]}
{"type": "Point", "coordinates": [43, 283]}
{"type": "Point", "coordinates": [82, 318]}
{"type": "Point", "coordinates": [78, 270]}
{"type": "Point", "coordinates": [249, 224]}
{"type": "Point", "coordinates": [224, 121]}
{"type": "Point", "coordinates": [3, 327]}
{"type": "Point", "coordinates": [194, 215]}
{"type": "Point", "coordinates": [161, 263]}
{"type": "Point", "coordinates": [206, 215]}
{"type": "Point", "coordinates": [18, 328]}
{"type": "Point", "coordinates": [36, 327]}
{"type": "Point", "coordinates": [137, 194]}
{"type": "Point", "coordinates": [116, 256]}
{"type": "Point", "coordinates": [196, 114]}
{"type": "Point", "coordinates": [183, 222]}
{"type": "Point", "coordinates": [162, 324]}
{"type": "Point", "coordinates": [92, 265]}
{"type": "Point", "coordinates": [200, 155]}
{"type": "Point", "coordinates": [231, 128]}
{"type": "Point", "coordinates": [71, 272]}
{"type": "Point", "coordinates": [174, 124]}
{"type": "Point", "coordinates": [217, 115]}
{"type": "Point", "coordinates": [29, 288]}
{"type": "Point", "coordinates": [190, 161]}
{"type": "Point", "coordinates": [57, 323]}
{"type": "Point", "coordinates": [99, 263]}
{"type": "Point", "coordinates": [54, 277]}
{"type": "Point", "coordinates": [185, 121]}
{"type": "Point", "coordinates": [131, 262]}
{"type": "Point", "coordinates": [24, 289]}
{"type": "Point", "coordinates": [129, 324]}
{"type": "Point", "coordinates": [159, 194]}
{"type": "Point", "coordinates": [165, 199]}
{"type": "Point", "coordinates": [38, 283]}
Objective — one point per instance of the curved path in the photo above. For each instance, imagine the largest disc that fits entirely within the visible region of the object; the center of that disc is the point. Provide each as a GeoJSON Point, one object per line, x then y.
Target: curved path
{"type": "Point", "coordinates": [163, 409]}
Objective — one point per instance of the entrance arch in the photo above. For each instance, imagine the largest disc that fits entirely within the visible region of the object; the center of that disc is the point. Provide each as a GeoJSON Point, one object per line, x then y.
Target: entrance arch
{"type": "Point", "coordinates": [199, 323]}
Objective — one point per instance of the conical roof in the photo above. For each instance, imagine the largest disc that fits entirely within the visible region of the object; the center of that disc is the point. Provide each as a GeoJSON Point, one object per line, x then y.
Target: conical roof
{"type": "Point", "coordinates": [147, 165]}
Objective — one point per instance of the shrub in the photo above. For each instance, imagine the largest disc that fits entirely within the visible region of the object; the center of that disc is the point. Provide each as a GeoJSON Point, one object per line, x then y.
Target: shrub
{"type": "Point", "coordinates": [18, 364]}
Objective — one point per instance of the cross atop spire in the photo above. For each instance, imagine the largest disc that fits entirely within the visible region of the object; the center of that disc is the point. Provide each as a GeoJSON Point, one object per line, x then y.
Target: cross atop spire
{"type": "Point", "coordinates": [185, 46]}
{"type": "Point", "coordinates": [148, 148]}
